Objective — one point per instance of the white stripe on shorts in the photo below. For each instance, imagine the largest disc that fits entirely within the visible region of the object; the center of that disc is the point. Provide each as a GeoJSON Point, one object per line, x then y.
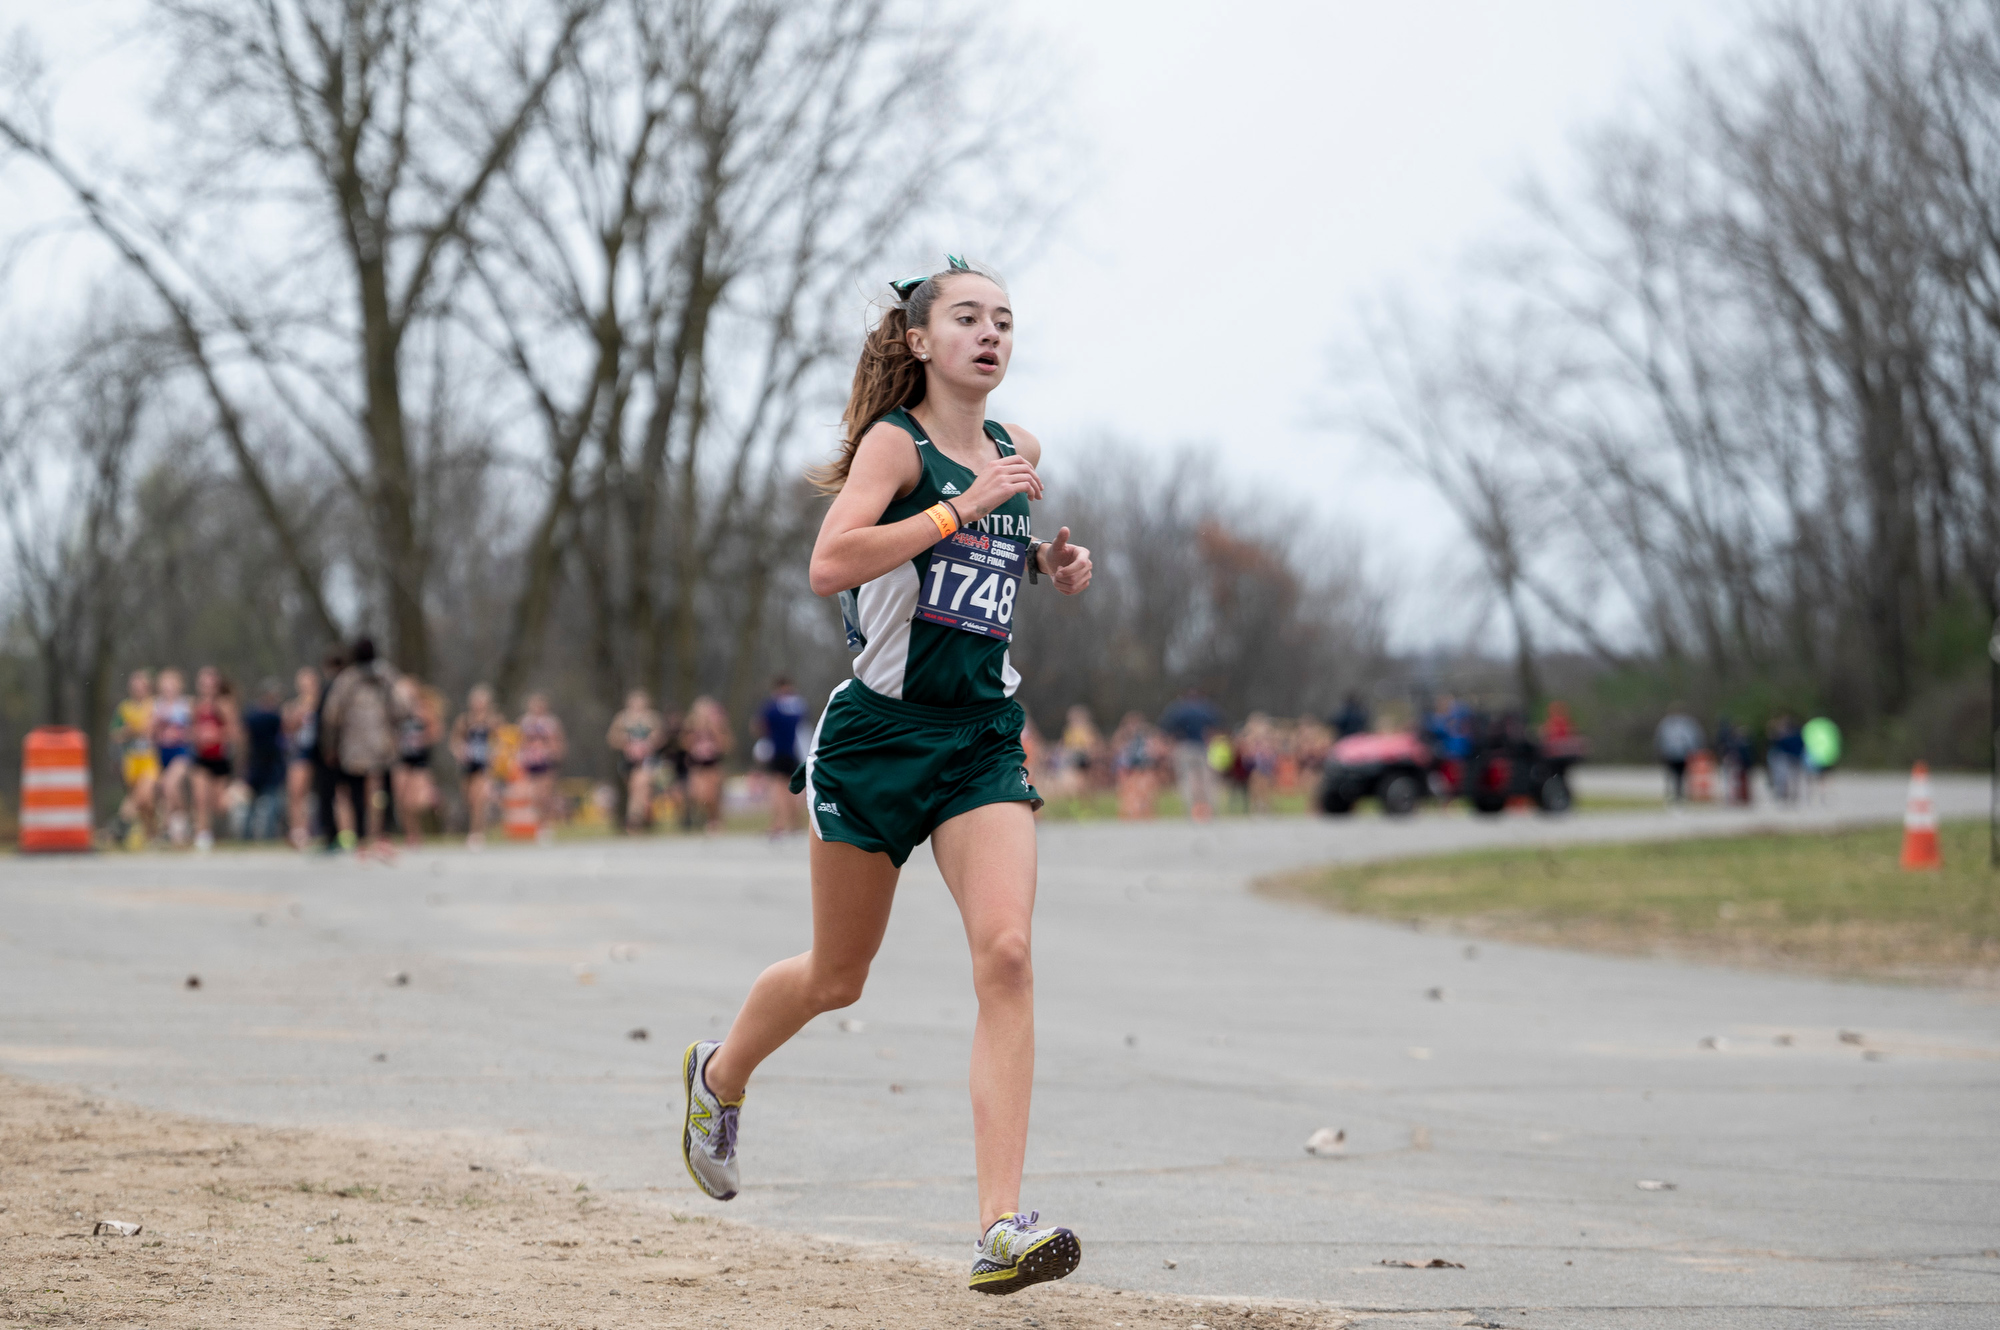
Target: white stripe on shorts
{"type": "Point", "coordinates": [812, 756]}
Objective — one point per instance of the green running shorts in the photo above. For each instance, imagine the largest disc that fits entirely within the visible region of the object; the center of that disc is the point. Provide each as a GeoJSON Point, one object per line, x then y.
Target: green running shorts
{"type": "Point", "coordinates": [883, 773]}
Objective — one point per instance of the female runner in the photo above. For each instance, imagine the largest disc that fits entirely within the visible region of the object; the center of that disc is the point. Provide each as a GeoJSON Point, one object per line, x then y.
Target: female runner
{"type": "Point", "coordinates": [472, 736]}
{"type": "Point", "coordinates": [706, 740]}
{"type": "Point", "coordinates": [173, 716]}
{"type": "Point", "coordinates": [636, 736]}
{"type": "Point", "coordinates": [216, 727]}
{"type": "Point", "coordinates": [419, 713]}
{"type": "Point", "coordinates": [926, 543]}
{"type": "Point", "coordinates": [543, 747]}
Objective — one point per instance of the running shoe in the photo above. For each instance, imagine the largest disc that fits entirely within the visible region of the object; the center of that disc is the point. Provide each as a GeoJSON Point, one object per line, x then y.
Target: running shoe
{"type": "Point", "coordinates": [708, 1137]}
{"type": "Point", "coordinates": [1015, 1253]}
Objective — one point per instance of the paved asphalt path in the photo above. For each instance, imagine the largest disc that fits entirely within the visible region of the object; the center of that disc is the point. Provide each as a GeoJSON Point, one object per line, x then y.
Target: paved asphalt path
{"type": "Point", "coordinates": [1192, 1035]}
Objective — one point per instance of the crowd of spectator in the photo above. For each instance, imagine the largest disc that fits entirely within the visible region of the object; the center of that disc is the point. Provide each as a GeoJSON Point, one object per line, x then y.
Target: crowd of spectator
{"type": "Point", "coordinates": [349, 761]}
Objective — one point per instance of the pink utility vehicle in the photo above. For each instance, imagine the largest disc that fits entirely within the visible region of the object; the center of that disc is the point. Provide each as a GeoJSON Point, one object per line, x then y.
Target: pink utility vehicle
{"type": "Point", "coordinates": [1502, 760]}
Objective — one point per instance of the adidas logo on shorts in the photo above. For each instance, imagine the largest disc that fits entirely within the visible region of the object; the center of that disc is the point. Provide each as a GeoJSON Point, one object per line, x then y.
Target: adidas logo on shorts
{"type": "Point", "coordinates": [827, 806]}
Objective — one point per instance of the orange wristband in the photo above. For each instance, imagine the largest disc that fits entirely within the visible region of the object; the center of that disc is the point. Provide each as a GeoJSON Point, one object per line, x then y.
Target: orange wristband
{"type": "Point", "coordinates": [947, 521]}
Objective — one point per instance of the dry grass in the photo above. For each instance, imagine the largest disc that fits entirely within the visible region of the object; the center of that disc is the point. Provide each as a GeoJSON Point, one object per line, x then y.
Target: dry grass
{"type": "Point", "coordinates": [1829, 903]}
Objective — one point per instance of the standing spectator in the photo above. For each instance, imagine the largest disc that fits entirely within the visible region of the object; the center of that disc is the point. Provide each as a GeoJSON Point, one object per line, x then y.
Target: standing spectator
{"type": "Point", "coordinates": [1188, 723]}
{"type": "Point", "coordinates": [1735, 758]}
{"type": "Point", "coordinates": [358, 727]}
{"type": "Point", "coordinates": [301, 716]}
{"type": "Point", "coordinates": [543, 748]}
{"type": "Point", "coordinates": [264, 761]}
{"type": "Point", "coordinates": [1785, 758]}
{"type": "Point", "coordinates": [215, 729]}
{"type": "Point", "coordinates": [1677, 739]}
{"type": "Point", "coordinates": [779, 722]}
{"type": "Point", "coordinates": [472, 736]}
{"type": "Point", "coordinates": [1819, 741]}
{"type": "Point", "coordinates": [706, 737]}
{"type": "Point", "coordinates": [1351, 719]}
{"type": "Point", "coordinates": [636, 735]}
{"type": "Point", "coordinates": [328, 778]}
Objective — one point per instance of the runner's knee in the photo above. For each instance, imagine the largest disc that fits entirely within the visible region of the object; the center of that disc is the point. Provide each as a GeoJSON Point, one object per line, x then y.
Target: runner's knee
{"type": "Point", "coordinates": [832, 989]}
{"type": "Point", "coordinates": [1004, 963]}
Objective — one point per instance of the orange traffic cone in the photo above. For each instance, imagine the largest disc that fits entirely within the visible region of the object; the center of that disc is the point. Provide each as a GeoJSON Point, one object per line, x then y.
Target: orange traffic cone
{"type": "Point", "coordinates": [1920, 841]}
{"type": "Point", "coordinates": [1701, 777]}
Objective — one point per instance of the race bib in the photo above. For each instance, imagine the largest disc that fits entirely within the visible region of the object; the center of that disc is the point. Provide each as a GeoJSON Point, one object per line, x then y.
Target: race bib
{"type": "Point", "coordinates": [972, 583]}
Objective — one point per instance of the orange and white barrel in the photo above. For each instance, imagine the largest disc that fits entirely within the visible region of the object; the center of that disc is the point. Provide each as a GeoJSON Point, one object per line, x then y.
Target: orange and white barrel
{"type": "Point", "coordinates": [55, 791]}
{"type": "Point", "coordinates": [518, 810]}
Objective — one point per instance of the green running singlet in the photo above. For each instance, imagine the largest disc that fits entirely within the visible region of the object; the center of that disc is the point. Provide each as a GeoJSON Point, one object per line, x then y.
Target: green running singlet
{"type": "Point", "coordinates": [934, 631]}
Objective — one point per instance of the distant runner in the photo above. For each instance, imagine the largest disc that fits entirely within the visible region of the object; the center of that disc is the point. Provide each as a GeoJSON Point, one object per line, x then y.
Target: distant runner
{"type": "Point", "coordinates": [926, 544]}
{"type": "Point", "coordinates": [543, 747]}
{"type": "Point", "coordinates": [173, 720]}
{"type": "Point", "coordinates": [637, 734]}
{"type": "Point", "coordinates": [472, 736]}
{"type": "Point", "coordinates": [216, 730]}
{"type": "Point", "coordinates": [138, 762]}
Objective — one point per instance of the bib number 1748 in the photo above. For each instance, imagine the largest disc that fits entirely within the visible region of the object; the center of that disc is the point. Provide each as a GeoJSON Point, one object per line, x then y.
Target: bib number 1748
{"type": "Point", "coordinates": [972, 583]}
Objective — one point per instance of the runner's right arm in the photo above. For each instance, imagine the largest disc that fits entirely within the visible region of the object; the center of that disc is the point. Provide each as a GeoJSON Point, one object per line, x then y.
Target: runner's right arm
{"type": "Point", "coordinates": [852, 549]}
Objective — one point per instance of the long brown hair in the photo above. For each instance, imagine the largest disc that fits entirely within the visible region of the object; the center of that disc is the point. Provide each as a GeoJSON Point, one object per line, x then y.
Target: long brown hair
{"type": "Point", "coordinates": [888, 375]}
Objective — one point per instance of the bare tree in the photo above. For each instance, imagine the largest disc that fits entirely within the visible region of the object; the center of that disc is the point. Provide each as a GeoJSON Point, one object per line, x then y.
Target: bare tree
{"type": "Point", "coordinates": [378, 128]}
{"type": "Point", "coordinates": [70, 444]}
{"type": "Point", "coordinates": [675, 276]}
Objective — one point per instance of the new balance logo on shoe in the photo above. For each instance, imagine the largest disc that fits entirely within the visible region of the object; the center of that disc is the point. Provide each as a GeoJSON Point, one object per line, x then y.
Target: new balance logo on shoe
{"type": "Point", "coordinates": [827, 806]}
{"type": "Point", "coordinates": [948, 488]}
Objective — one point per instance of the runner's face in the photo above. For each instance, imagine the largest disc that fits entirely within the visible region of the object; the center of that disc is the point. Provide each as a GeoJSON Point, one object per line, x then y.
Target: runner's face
{"type": "Point", "coordinates": [307, 681]}
{"type": "Point", "coordinates": [204, 684]}
{"type": "Point", "coordinates": [139, 685]}
{"type": "Point", "coordinates": [170, 685]}
{"type": "Point", "coordinates": [970, 338]}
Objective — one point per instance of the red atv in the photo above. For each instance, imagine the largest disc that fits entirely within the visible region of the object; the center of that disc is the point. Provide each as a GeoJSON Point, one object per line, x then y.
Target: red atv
{"type": "Point", "coordinates": [1504, 761]}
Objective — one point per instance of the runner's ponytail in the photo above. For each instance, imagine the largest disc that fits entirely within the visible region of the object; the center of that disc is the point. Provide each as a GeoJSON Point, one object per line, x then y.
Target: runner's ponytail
{"type": "Point", "coordinates": [888, 375]}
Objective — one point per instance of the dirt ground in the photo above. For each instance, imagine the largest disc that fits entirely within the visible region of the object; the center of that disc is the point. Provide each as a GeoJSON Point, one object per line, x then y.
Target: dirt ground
{"type": "Point", "coordinates": [262, 1227]}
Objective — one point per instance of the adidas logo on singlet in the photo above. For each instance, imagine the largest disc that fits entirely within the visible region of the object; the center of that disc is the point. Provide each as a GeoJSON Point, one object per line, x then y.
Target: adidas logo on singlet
{"type": "Point", "coordinates": [947, 488]}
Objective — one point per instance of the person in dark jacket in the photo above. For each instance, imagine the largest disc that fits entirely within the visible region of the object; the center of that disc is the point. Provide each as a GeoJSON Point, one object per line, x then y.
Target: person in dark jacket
{"type": "Point", "coordinates": [264, 767]}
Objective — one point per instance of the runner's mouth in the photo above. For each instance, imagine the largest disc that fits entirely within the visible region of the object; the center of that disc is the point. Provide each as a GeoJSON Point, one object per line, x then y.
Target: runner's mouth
{"type": "Point", "coordinates": [988, 359]}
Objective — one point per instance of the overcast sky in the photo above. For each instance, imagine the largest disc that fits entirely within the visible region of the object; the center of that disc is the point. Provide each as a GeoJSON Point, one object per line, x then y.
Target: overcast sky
{"type": "Point", "coordinates": [1258, 167]}
{"type": "Point", "coordinates": [1262, 167]}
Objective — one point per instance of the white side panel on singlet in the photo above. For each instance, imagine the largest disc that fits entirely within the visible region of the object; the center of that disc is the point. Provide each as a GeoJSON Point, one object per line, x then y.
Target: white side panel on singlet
{"type": "Point", "coordinates": [887, 605]}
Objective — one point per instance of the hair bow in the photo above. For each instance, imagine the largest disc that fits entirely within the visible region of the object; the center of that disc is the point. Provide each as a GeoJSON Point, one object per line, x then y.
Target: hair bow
{"type": "Point", "coordinates": [908, 285]}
